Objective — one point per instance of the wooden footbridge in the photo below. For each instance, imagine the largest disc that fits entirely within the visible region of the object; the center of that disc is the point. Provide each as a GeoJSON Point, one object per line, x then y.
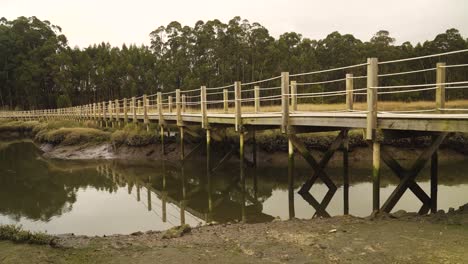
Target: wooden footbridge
{"type": "Point", "coordinates": [286, 102]}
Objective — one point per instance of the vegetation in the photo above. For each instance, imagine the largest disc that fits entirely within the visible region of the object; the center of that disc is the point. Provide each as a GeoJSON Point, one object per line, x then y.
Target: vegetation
{"type": "Point", "coordinates": [134, 135]}
{"type": "Point", "coordinates": [38, 69]}
{"type": "Point", "coordinates": [17, 234]}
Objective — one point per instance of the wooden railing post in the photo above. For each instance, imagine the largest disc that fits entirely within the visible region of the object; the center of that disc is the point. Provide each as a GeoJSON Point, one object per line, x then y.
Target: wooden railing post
{"type": "Point", "coordinates": [160, 108]}
{"type": "Point", "coordinates": [104, 113]}
{"type": "Point", "coordinates": [440, 86]}
{"type": "Point", "coordinates": [145, 110]}
{"type": "Point", "coordinates": [226, 100]}
{"type": "Point", "coordinates": [372, 82]}
{"type": "Point", "coordinates": [140, 106]}
{"type": "Point", "coordinates": [285, 101]}
{"type": "Point", "coordinates": [125, 110]}
{"type": "Point", "coordinates": [294, 95]}
{"type": "Point", "coordinates": [257, 98]}
{"type": "Point", "coordinates": [178, 108]}
{"type": "Point", "coordinates": [238, 106]}
{"type": "Point", "coordinates": [169, 103]}
{"type": "Point", "coordinates": [349, 91]}
{"type": "Point", "coordinates": [184, 103]}
{"type": "Point", "coordinates": [134, 110]}
{"type": "Point", "coordinates": [117, 111]}
{"type": "Point", "coordinates": [203, 107]}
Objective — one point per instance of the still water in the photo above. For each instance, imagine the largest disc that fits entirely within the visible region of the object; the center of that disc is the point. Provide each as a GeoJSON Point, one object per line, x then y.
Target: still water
{"type": "Point", "coordinates": [109, 197]}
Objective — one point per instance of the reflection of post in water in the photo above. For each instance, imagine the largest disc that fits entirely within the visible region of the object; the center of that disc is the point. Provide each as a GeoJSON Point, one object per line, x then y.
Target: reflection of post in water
{"type": "Point", "coordinates": [346, 173]}
{"type": "Point", "coordinates": [138, 191]}
{"type": "Point", "coordinates": [242, 172]}
{"type": "Point", "coordinates": [184, 195]}
{"type": "Point", "coordinates": [292, 212]}
{"type": "Point", "coordinates": [164, 193]}
{"type": "Point", "coordinates": [208, 175]}
{"type": "Point", "coordinates": [148, 187]}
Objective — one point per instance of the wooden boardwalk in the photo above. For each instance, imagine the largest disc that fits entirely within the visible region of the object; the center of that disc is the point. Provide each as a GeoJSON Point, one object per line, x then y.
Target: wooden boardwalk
{"type": "Point", "coordinates": [241, 106]}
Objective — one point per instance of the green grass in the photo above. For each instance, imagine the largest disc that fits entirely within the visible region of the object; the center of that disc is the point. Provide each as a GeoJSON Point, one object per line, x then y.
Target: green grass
{"type": "Point", "coordinates": [18, 235]}
{"type": "Point", "coordinates": [134, 135]}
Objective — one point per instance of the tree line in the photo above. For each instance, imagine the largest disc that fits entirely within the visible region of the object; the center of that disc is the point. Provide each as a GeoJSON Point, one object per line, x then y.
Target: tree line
{"type": "Point", "coordinates": [38, 68]}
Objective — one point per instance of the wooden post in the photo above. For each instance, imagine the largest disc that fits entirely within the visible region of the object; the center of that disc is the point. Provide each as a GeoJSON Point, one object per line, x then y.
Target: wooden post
{"type": "Point", "coordinates": [238, 105]}
{"type": "Point", "coordinates": [242, 173]}
{"type": "Point", "coordinates": [284, 101]}
{"type": "Point", "coordinates": [160, 108]}
{"type": "Point", "coordinates": [440, 86]}
{"type": "Point", "coordinates": [203, 107]}
{"type": "Point", "coordinates": [226, 100]}
{"type": "Point", "coordinates": [184, 103]}
{"type": "Point", "coordinates": [346, 172]}
{"type": "Point", "coordinates": [434, 181]}
{"type": "Point", "coordinates": [125, 110]}
{"type": "Point", "coordinates": [294, 95]}
{"type": "Point", "coordinates": [178, 108]}
{"type": "Point", "coordinates": [292, 212]}
{"type": "Point", "coordinates": [104, 113]}
{"type": "Point", "coordinates": [376, 176]}
{"type": "Point", "coordinates": [145, 112]}
{"type": "Point", "coordinates": [349, 91]}
{"type": "Point", "coordinates": [111, 111]}
{"type": "Point", "coordinates": [169, 103]}
{"type": "Point", "coordinates": [140, 107]}
{"type": "Point", "coordinates": [372, 81]}
{"type": "Point", "coordinates": [134, 109]}
{"type": "Point", "coordinates": [117, 112]}
{"type": "Point", "coordinates": [257, 98]}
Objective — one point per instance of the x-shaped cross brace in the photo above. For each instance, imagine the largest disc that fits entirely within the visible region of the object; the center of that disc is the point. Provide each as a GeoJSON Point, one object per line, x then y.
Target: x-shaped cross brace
{"type": "Point", "coordinates": [408, 176]}
{"type": "Point", "coordinates": [319, 172]}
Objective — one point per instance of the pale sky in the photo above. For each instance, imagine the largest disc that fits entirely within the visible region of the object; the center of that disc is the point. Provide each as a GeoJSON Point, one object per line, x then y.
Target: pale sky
{"type": "Point", "coordinates": [86, 22]}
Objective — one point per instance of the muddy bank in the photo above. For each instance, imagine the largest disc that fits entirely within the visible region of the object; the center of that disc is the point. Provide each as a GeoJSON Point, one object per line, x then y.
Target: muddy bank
{"type": "Point", "coordinates": [398, 238]}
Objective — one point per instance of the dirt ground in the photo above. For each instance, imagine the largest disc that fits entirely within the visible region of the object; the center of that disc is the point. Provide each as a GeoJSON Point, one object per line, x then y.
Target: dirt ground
{"type": "Point", "coordinates": [399, 238]}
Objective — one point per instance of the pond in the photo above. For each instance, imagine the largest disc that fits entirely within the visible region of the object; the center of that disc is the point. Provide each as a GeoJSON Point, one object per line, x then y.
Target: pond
{"type": "Point", "coordinates": [121, 197]}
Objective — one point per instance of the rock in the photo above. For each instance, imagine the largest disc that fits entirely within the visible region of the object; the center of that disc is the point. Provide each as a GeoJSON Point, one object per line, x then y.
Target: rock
{"type": "Point", "coordinates": [322, 246]}
{"type": "Point", "coordinates": [139, 233]}
{"type": "Point", "coordinates": [332, 231]}
{"type": "Point", "coordinates": [451, 210]}
{"type": "Point", "coordinates": [177, 231]}
{"type": "Point", "coordinates": [399, 214]}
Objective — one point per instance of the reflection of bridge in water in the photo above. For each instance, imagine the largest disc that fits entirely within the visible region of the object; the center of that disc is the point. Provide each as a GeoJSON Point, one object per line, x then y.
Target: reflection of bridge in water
{"type": "Point", "coordinates": [194, 198]}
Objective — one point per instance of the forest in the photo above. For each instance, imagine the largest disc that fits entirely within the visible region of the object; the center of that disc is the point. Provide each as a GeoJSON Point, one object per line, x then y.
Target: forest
{"type": "Point", "coordinates": [39, 69]}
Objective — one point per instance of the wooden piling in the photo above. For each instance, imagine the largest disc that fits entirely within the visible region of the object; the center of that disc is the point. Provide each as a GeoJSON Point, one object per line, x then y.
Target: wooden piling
{"type": "Point", "coordinates": [434, 181]}
{"type": "Point", "coordinates": [346, 172]}
{"type": "Point", "coordinates": [372, 82]}
{"type": "Point", "coordinates": [440, 86]}
{"type": "Point", "coordinates": [292, 212]}
{"type": "Point", "coordinates": [242, 173]}
{"type": "Point", "coordinates": [284, 101]}
{"type": "Point", "coordinates": [376, 176]}
{"type": "Point", "coordinates": [349, 91]}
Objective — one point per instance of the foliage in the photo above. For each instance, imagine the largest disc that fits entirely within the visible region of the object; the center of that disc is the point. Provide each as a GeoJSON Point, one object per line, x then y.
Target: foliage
{"type": "Point", "coordinates": [17, 234]}
{"type": "Point", "coordinates": [134, 135]}
{"type": "Point", "coordinates": [39, 70]}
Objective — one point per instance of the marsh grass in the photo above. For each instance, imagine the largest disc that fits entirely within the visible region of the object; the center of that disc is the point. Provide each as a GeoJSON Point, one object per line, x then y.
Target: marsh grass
{"type": "Point", "coordinates": [18, 235]}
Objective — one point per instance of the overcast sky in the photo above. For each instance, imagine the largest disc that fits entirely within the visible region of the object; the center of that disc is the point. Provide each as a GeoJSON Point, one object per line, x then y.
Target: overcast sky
{"type": "Point", "coordinates": [86, 22]}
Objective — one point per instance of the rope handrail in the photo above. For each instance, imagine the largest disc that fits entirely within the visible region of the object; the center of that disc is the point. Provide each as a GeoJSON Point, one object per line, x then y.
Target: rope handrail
{"type": "Point", "coordinates": [330, 92]}
{"type": "Point", "coordinates": [453, 109]}
{"type": "Point", "coordinates": [359, 77]}
{"type": "Point", "coordinates": [329, 70]}
{"type": "Point", "coordinates": [189, 91]}
{"type": "Point", "coordinates": [424, 57]}
{"type": "Point", "coordinates": [417, 85]}
{"type": "Point", "coordinates": [455, 65]}
{"type": "Point", "coordinates": [261, 81]}
{"type": "Point", "coordinates": [408, 91]}
{"type": "Point", "coordinates": [221, 87]}
{"type": "Point", "coordinates": [322, 82]}
{"type": "Point", "coordinates": [456, 87]}
{"type": "Point", "coordinates": [407, 111]}
{"type": "Point", "coordinates": [270, 88]}
{"type": "Point", "coordinates": [406, 72]}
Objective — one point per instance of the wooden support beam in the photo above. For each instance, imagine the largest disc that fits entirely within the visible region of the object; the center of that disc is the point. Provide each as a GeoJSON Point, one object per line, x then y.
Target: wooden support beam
{"type": "Point", "coordinates": [434, 181]}
{"type": "Point", "coordinates": [440, 86]}
{"type": "Point", "coordinates": [242, 173]}
{"type": "Point", "coordinates": [182, 147]}
{"type": "Point", "coordinates": [257, 98]}
{"type": "Point", "coordinates": [412, 173]}
{"type": "Point", "coordinates": [294, 96]}
{"type": "Point", "coordinates": [372, 82]}
{"type": "Point", "coordinates": [284, 101]}
{"type": "Point", "coordinates": [238, 106]}
{"type": "Point", "coordinates": [349, 91]}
